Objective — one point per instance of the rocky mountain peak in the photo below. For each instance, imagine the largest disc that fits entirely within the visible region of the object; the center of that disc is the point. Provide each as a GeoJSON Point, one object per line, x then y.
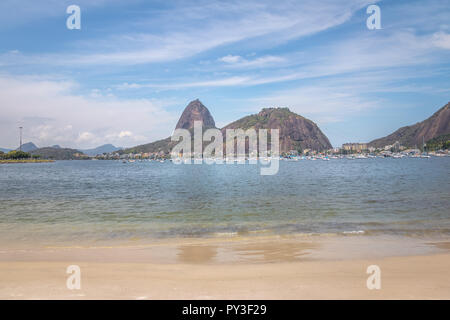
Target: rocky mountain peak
{"type": "Point", "coordinates": [410, 136]}
{"type": "Point", "coordinates": [296, 132]}
{"type": "Point", "coordinates": [195, 111]}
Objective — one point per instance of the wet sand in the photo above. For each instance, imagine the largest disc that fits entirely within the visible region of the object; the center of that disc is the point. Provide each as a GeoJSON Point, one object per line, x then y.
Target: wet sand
{"type": "Point", "coordinates": [234, 268]}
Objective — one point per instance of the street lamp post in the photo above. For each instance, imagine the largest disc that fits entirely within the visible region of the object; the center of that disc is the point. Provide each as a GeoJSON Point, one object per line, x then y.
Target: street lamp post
{"type": "Point", "coordinates": [20, 146]}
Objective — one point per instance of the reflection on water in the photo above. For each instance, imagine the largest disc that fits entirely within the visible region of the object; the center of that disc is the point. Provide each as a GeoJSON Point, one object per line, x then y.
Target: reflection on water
{"type": "Point", "coordinates": [253, 252]}
{"type": "Point", "coordinates": [275, 252]}
{"type": "Point", "coordinates": [442, 245]}
{"type": "Point", "coordinates": [196, 254]}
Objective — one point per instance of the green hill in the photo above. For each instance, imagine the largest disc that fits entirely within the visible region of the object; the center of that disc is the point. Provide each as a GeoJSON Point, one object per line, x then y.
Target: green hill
{"type": "Point", "coordinates": [59, 153]}
{"type": "Point", "coordinates": [296, 132]}
{"type": "Point", "coordinates": [436, 125]}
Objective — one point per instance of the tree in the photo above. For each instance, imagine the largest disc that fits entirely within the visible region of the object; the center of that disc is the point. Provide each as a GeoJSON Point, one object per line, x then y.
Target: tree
{"type": "Point", "coordinates": [16, 154]}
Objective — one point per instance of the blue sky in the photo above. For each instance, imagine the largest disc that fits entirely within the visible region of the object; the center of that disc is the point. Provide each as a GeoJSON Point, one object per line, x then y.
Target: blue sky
{"type": "Point", "coordinates": [126, 76]}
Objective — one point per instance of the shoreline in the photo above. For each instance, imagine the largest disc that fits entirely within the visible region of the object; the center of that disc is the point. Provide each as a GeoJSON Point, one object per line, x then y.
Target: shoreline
{"type": "Point", "coordinates": [229, 249]}
{"type": "Point", "coordinates": [263, 268]}
{"type": "Point", "coordinates": [25, 161]}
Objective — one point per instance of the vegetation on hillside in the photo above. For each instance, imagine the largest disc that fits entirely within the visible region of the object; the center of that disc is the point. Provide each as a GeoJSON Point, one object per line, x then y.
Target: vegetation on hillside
{"type": "Point", "coordinates": [262, 118]}
{"type": "Point", "coordinates": [410, 136]}
{"type": "Point", "coordinates": [17, 155]}
{"type": "Point", "coordinates": [296, 132]}
{"type": "Point", "coordinates": [59, 154]}
{"type": "Point", "coordinates": [439, 143]}
{"type": "Point", "coordinates": [163, 146]}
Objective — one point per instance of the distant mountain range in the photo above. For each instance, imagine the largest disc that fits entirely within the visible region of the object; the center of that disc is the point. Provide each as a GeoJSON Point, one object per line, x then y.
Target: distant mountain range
{"type": "Point", "coordinates": [296, 132]}
{"type": "Point", "coordinates": [106, 148]}
{"type": "Point", "coordinates": [26, 147]}
{"type": "Point", "coordinates": [58, 153]}
{"type": "Point", "coordinates": [29, 146]}
{"type": "Point", "coordinates": [433, 127]}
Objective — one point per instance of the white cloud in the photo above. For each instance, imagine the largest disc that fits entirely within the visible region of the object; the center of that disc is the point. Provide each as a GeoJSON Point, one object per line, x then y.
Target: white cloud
{"type": "Point", "coordinates": [328, 77]}
{"type": "Point", "coordinates": [19, 12]}
{"type": "Point", "coordinates": [323, 104]}
{"type": "Point", "coordinates": [441, 40]}
{"type": "Point", "coordinates": [124, 134]}
{"type": "Point", "coordinates": [240, 62]}
{"type": "Point", "coordinates": [224, 82]}
{"type": "Point", "coordinates": [203, 26]}
{"type": "Point", "coordinates": [230, 59]}
{"type": "Point", "coordinates": [363, 52]}
{"type": "Point", "coordinates": [335, 99]}
{"type": "Point", "coordinates": [52, 114]}
{"type": "Point", "coordinates": [85, 137]}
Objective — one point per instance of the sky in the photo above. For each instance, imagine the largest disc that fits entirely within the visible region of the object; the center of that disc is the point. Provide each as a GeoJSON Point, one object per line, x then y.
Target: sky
{"type": "Point", "coordinates": [125, 77]}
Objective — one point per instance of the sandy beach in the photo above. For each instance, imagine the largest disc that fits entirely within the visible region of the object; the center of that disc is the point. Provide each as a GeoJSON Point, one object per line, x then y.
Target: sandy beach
{"type": "Point", "coordinates": [234, 268]}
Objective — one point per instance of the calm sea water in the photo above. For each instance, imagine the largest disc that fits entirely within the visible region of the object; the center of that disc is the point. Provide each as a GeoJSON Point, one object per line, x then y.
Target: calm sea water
{"type": "Point", "coordinates": [103, 200]}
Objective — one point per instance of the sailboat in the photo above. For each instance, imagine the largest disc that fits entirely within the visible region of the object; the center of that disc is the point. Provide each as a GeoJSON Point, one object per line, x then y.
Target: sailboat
{"type": "Point", "coordinates": [424, 154]}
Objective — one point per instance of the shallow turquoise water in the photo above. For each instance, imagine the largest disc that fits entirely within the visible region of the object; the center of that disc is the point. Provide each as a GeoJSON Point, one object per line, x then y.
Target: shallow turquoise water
{"type": "Point", "coordinates": [103, 200]}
